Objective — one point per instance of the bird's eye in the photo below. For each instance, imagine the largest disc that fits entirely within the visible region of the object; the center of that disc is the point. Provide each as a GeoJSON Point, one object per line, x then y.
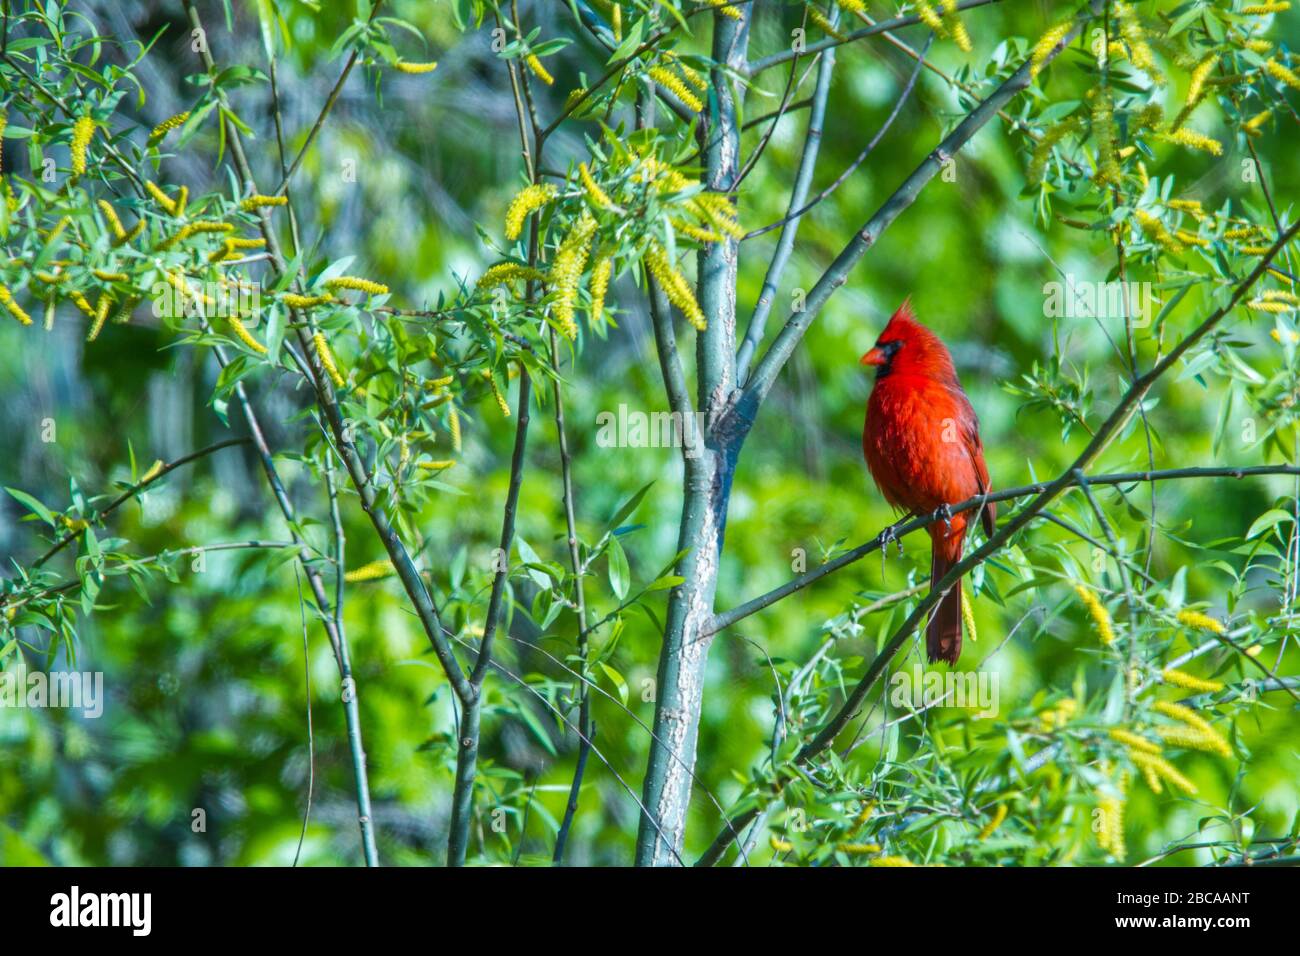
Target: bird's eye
{"type": "Point", "coordinates": [890, 348]}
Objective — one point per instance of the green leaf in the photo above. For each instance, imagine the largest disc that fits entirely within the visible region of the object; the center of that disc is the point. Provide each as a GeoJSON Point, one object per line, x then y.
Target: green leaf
{"type": "Point", "coordinates": [617, 680]}
{"type": "Point", "coordinates": [618, 570]}
{"type": "Point", "coordinates": [33, 505]}
{"type": "Point", "coordinates": [1268, 519]}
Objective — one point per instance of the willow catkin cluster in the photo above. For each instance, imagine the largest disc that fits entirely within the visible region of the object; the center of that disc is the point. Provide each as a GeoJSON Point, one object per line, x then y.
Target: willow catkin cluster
{"type": "Point", "coordinates": [82, 130]}
{"type": "Point", "coordinates": [1173, 675]}
{"type": "Point", "coordinates": [327, 360]}
{"type": "Point", "coordinates": [675, 286]}
{"type": "Point", "coordinates": [1042, 50]}
{"type": "Point", "coordinates": [1097, 611]}
{"type": "Point", "coordinates": [528, 200]}
{"type": "Point", "coordinates": [566, 272]}
{"type": "Point", "coordinates": [166, 126]}
{"type": "Point", "coordinates": [415, 69]}
{"type": "Point", "coordinates": [538, 70]}
{"type": "Point", "coordinates": [1051, 138]}
{"type": "Point", "coordinates": [373, 571]}
{"type": "Point", "coordinates": [677, 86]}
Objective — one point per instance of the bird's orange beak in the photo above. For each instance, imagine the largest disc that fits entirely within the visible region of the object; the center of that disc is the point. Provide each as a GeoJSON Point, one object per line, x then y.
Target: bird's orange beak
{"type": "Point", "coordinates": [874, 357]}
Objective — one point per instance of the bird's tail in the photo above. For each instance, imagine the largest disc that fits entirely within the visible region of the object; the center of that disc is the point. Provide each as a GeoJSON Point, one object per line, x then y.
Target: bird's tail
{"type": "Point", "coordinates": [943, 634]}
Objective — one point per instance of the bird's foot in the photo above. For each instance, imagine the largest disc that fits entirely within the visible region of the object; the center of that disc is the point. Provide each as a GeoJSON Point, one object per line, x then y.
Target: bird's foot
{"type": "Point", "coordinates": [888, 535]}
{"type": "Point", "coordinates": [945, 515]}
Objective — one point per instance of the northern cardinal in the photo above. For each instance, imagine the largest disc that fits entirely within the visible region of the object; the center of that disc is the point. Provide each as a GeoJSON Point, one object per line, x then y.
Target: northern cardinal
{"type": "Point", "coordinates": [922, 445]}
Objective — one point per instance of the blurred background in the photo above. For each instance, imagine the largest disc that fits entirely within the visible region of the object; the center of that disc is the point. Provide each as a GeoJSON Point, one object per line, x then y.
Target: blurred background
{"type": "Point", "coordinates": [208, 692]}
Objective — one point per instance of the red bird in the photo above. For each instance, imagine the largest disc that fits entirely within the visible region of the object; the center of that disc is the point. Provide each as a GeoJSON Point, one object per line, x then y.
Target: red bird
{"type": "Point", "coordinates": [922, 445]}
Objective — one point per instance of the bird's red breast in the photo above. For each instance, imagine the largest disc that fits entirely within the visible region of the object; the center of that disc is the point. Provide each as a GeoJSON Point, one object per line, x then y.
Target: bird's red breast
{"type": "Point", "coordinates": [922, 445]}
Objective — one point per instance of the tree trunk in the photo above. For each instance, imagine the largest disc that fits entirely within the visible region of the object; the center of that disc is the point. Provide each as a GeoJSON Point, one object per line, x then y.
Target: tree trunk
{"type": "Point", "coordinates": [707, 490]}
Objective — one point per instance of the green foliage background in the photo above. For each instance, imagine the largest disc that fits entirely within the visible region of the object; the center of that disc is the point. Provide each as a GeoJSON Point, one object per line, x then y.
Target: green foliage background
{"type": "Point", "coordinates": [204, 670]}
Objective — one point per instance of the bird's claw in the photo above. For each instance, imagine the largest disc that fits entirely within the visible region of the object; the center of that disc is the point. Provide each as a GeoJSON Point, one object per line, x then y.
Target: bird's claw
{"type": "Point", "coordinates": [944, 511]}
{"type": "Point", "coordinates": [889, 534]}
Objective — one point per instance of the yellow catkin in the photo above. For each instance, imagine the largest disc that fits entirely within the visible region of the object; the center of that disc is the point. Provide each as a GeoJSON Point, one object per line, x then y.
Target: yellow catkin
{"type": "Point", "coordinates": [819, 18]}
{"type": "Point", "coordinates": [440, 465]}
{"type": "Point", "coordinates": [717, 210]}
{"type": "Point", "coordinates": [538, 70]}
{"type": "Point", "coordinates": [1256, 649]}
{"type": "Point", "coordinates": [1100, 616]}
{"type": "Point", "coordinates": [258, 201]}
{"type": "Point", "coordinates": [1202, 622]}
{"type": "Point", "coordinates": [1190, 206]}
{"type": "Point", "coordinates": [890, 861]}
{"type": "Point", "coordinates": [160, 197]}
{"type": "Point", "coordinates": [1264, 9]}
{"type": "Point", "coordinates": [529, 199]}
{"type": "Point", "coordinates": [442, 382]}
{"type": "Point", "coordinates": [674, 84]}
{"type": "Point", "coordinates": [503, 273]}
{"type": "Point", "coordinates": [595, 194]}
{"type": "Point", "coordinates": [956, 28]}
{"type": "Point", "coordinates": [1182, 714]}
{"type": "Point", "coordinates": [858, 849]}
{"type": "Point", "coordinates": [1103, 133]}
{"type": "Point", "coordinates": [356, 284]}
{"type": "Point", "coordinates": [453, 426]}
{"type": "Point", "coordinates": [1155, 230]}
{"type": "Point", "coordinates": [1183, 679]}
{"type": "Point", "coordinates": [182, 197]}
{"type": "Point", "coordinates": [1152, 765]}
{"type": "Point", "coordinates": [106, 276]}
{"type": "Point", "coordinates": [1110, 832]}
{"type": "Point", "coordinates": [82, 130]}
{"type": "Point", "coordinates": [1201, 73]}
{"type": "Point", "coordinates": [245, 336]}
{"type": "Point", "coordinates": [1190, 238]}
{"type": "Point", "coordinates": [779, 845]}
{"type": "Point", "coordinates": [502, 404]}
{"type": "Point", "coordinates": [999, 815]}
{"type": "Point", "coordinates": [1058, 715]}
{"type": "Point", "coordinates": [415, 69]}
{"type": "Point", "coordinates": [101, 315]}
{"type": "Point", "coordinates": [927, 15]}
{"type": "Point", "coordinates": [1258, 45]}
{"type": "Point", "coordinates": [723, 7]}
{"type": "Point", "coordinates": [373, 571]}
{"type": "Point", "coordinates": [114, 223]}
{"type": "Point", "coordinates": [327, 360]}
{"type": "Point", "coordinates": [166, 126]}
{"type": "Point", "coordinates": [580, 95]}
{"type": "Point", "coordinates": [1271, 295]}
{"type": "Point", "coordinates": [1192, 738]}
{"type": "Point", "coordinates": [566, 272]}
{"type": "Point", "coordinates": [295, 301]}
{"type": "Point", "coordinates": [601, 273]}
{"type": "Point", "coordinates": [82, 303]}
{"type": "Point", "coordinates": [1253, 124]}
{"type": "Point", "coordinates": [1282, 74]}
{"type": "Point", "coordinates": [1046, 44]}
{"type": "Point", "coordinates": [1194, 140]}
{"type": "Point", "coordinates": [968, 615]}
{"type": "Point", "coordinates": [691, 75]}
{"type": "Point", "coordinates": [674, 285]}
{"type": "Point", "coordinates": [1132, 740]}
{"type": "Point", "coordinates": [12, 307]}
